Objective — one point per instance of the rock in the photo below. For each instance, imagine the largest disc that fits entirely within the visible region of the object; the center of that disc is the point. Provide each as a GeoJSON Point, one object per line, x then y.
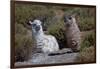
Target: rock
{"type": "Point", "coordinates": [43, 58]}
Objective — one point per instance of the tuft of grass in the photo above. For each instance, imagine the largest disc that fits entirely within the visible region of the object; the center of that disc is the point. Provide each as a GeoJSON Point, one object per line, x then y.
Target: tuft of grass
{"type": "Point", "coordinates": [23, 47]}
{"type": "Point", "coordinates": [87, 23]}
{"type": "Point", "coordinates": [87, 52]}
{"type": "Point", "coordinates": [24, 44]}
{"type": "Point", "coordinates": [87, 55]}
{"type": "Point", "coordinates": [89, 40]}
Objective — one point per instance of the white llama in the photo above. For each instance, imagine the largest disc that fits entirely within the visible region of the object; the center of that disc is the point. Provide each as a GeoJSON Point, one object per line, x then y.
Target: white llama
{"type": "Point", "coordinates": [47, 43]}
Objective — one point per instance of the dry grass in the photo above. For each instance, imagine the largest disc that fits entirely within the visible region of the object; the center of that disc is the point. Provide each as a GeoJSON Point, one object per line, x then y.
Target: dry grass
{"type": "Point", "coordinates": [24, 44]}
{"type": "Point", "coordinates": [88, 49]}
{"type": "Point", "coordinates": [87, 55]}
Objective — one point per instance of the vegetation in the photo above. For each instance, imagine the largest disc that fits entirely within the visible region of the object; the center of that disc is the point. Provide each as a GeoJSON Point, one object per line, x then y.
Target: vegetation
{"type": "Point", "coordinates": [57, 31]}
{"type": "Point", "coordinates": [89, 40]}
{"type": "Point", "coordinates": [87, 53]}
{"type": "Point", "coordinates": [24, 44]}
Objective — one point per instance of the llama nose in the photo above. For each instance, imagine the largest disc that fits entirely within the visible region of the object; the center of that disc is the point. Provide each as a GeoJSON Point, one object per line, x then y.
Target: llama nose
{"type": "Point", "coordinates": [37, 28]}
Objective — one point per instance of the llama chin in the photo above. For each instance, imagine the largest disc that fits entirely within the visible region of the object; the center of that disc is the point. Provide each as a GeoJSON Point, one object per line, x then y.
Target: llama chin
{"type": "Point", "coordinates": [46, 43]}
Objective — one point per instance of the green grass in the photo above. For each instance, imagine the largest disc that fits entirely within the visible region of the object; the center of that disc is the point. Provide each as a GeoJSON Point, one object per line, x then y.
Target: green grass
{"type": "Point", "coordinates": [89, 40]}
{"type": "Point", "coordinates": [87, 52]}
{"type": "Point", "coordinates": [24, 44]}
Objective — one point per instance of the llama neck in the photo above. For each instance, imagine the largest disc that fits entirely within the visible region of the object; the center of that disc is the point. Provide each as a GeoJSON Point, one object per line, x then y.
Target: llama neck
{"type": "Point", "coordinates": [75, 25]}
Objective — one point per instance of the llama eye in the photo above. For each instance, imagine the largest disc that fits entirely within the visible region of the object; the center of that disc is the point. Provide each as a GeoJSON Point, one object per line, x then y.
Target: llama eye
{"type": "Point", "coordinates": [34, 25]}
{"type": "Point", "coordinates": [69, 18]}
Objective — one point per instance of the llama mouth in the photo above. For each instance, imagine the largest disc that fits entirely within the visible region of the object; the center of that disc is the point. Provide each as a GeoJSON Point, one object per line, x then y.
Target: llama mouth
{"type": "Point", "coordinates": [37, 28]}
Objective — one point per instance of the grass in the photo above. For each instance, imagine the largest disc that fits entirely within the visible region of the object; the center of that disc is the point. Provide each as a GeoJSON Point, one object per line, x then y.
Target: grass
{"type": "Point", "coordinates": [87, 52]}
{"type": "Point", "coordinates": [87, 55]}
{"type": "Point", "coordinates": [24, 44]}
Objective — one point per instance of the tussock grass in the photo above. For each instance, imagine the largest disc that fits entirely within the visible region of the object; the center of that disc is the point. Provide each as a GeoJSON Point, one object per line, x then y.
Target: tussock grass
{"type": "Point", "coordinates": [87, 52]}
{"type": "Point", "coordinates": [24, 44]}
{"type": "Point", "coordinates": [87, 55]}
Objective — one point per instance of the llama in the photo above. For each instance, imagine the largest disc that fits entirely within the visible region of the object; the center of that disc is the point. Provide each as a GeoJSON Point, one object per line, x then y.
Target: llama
{"type": "Point", "coordinates": [72, 32]}
{"type": "Point", "coordinates": [46, 43]}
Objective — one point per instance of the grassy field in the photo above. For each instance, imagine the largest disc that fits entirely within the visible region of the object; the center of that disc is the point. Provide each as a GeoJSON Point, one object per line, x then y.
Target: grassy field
{"type": "Point", "coordinates": [54, 23]}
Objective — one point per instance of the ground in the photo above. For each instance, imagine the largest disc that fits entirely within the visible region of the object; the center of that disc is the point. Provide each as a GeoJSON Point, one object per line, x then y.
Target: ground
{"type": "Point", "coordinates": [41, 58]}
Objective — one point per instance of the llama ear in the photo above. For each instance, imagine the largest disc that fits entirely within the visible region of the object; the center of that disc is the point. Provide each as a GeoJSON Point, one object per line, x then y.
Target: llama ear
{"type": "Point", "coordinates": [30, 22]}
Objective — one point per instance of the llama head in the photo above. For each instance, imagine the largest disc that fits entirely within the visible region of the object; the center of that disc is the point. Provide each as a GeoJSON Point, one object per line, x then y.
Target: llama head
{"type": "Point", "coordinates": [69, 19]}
{"type": "Point", "coordinates": [36, 25]}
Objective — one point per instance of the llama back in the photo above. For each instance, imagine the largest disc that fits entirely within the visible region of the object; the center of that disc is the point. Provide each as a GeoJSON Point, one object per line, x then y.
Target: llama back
{"type": "Point", "coordinates": [51, 43]}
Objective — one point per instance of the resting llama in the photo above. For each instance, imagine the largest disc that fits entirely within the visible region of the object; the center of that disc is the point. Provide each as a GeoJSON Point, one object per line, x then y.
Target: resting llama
{"type": "Point", "coordinates": [46, 43]}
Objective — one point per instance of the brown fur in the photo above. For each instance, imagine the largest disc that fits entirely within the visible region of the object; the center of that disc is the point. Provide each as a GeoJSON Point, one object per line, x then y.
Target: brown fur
{"type": "Point", "coordinates": [72, 33]}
